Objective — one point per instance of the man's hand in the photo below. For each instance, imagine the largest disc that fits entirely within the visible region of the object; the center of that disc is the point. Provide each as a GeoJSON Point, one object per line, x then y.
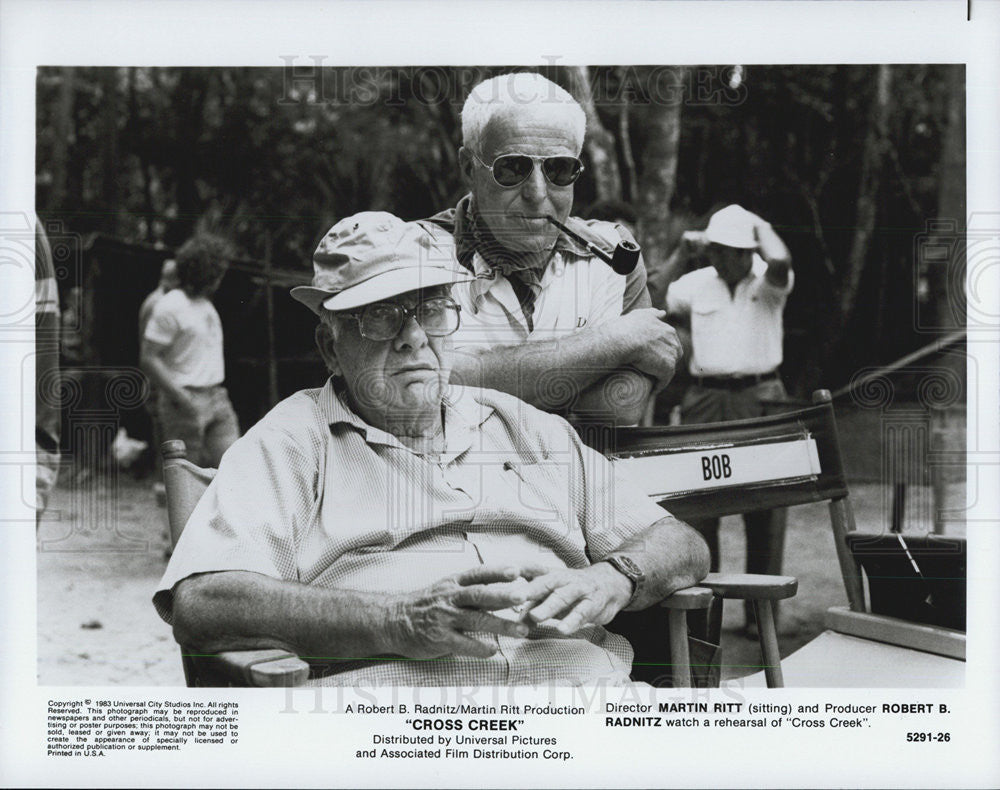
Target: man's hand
{"type": "Point", "coordinates": [654, 346]}
{"type": "Point", "coordinates": [694, 242]}
{"type": "Point", "coordinates": [431, 622]}
{"type": "Point", "coordinates": [568, 599]}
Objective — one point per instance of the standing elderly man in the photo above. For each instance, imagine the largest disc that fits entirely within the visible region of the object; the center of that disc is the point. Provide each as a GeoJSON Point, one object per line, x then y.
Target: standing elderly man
{"type": "Point", "coordinates": [733, 312]}
{"type": "Point", "coordinates": [389, 516]}
{"type": "Point", "coordinates": [545, 319]}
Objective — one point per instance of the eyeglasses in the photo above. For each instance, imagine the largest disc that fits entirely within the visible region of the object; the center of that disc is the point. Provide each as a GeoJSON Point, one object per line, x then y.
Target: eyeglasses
{"type": "Point", "coordinates": [511, 170]}
{"type": "Point", "coordinates": [438, 317]}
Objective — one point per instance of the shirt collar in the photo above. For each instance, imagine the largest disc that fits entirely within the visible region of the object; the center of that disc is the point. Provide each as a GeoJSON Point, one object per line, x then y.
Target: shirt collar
{"type": "Point", "coordinates": [463, 414]}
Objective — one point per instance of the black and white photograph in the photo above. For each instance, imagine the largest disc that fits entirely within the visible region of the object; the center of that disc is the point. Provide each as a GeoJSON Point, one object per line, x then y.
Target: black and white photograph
{"type": "Point", "coordinates": [502, 404]}
{"type": "Point", "coordinates": [748, 196]}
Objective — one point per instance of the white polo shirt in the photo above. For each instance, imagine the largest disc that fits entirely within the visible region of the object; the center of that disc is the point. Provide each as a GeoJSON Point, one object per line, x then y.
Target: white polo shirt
{"type": "Point", "coordinates": [733, 334]}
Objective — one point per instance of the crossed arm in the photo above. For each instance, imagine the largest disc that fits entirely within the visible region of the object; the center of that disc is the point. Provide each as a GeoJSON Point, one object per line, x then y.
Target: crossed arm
{"type": "Point", "coordinates": [232, 610]}
{"type": "Point", "coordinates": [607, 370]}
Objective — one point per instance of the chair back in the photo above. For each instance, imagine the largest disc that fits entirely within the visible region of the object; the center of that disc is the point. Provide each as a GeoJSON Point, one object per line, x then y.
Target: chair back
{"type": "Point", "coordinates": [720, 469]}
{"type": "Point", "coordinates": [185, 484]}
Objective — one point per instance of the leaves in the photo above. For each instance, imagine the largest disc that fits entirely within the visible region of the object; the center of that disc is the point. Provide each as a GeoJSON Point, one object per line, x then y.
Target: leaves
{"type": "Point", "coordinates": [152, 154]}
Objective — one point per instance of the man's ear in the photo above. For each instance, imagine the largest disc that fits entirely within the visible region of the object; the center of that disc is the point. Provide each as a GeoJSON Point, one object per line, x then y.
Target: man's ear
{"type": "Point", "coordinates": [324, 342]}
{"type": "Point", "coordinates": [465, 164]}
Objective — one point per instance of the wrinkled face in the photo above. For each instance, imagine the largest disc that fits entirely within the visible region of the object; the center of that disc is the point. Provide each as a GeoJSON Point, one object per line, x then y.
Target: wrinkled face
{"type": "Point", "coordinates": [514, 214]}
{"type": "Point", "coordinates": [731, 263]}
{"type": "Point", "coordinates": [390, 381]}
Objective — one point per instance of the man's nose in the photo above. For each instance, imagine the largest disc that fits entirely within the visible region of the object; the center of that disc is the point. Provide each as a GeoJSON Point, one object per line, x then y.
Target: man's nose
{"type": "Point", "coordinates": [535, 189]}
{"type": "Point", "coordinates": [411, 335]}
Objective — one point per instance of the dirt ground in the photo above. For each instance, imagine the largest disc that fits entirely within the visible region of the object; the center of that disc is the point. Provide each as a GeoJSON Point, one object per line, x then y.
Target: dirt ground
{"type": "Point", "coordinates": [101, 551]}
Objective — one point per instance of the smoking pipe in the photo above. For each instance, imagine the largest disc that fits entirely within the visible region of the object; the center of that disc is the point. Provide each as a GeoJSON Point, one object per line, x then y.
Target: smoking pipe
{"type": "Point", "coordinates": [623, 260]}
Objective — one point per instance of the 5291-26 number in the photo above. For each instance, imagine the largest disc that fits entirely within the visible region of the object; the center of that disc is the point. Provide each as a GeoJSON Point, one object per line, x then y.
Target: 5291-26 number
{"type": "Point", "coordinates": [928, 737]}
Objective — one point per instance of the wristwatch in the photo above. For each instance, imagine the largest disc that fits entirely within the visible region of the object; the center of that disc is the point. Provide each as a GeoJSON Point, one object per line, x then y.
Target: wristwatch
{"type": "Point", "coordinates": [629, 568]}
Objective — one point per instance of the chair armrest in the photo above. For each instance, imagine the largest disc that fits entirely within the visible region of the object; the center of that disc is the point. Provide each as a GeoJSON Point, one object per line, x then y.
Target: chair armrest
{"type": "Point", "coordinates": [751, 586]}
{"type": "Point", "coordinates": [255, 668]}
{"type": "Point", "coordinates": [688, 598]}
{"type": "Point", "coordinates": [760, 590]}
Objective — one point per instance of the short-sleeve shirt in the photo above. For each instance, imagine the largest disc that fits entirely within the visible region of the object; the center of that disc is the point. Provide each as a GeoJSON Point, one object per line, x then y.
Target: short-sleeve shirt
{"type": "Point", "coordinates": [732, 333]}
{"type": "Point", "coordinates": [315, 495]}
{"type": "Point", "coordinates": [577, 288]}
{"type": "Point", "coordinates": [191, 331]}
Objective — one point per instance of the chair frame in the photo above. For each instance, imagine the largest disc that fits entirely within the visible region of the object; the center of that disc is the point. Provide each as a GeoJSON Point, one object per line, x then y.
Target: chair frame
{"type": "Point", "coordinates": [185, 483]}
{"type": "Point", "coordinates": [818, 423]}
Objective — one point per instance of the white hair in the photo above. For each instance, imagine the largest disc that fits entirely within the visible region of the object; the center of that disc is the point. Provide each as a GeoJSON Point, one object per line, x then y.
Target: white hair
{"type": "Point", "coordinates": [516, 90]}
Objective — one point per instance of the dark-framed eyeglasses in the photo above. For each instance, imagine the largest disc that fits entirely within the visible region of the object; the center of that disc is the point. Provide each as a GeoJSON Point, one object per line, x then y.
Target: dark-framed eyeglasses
{"type": "Point", "coordinates": [511, 170]}
{"type": "Point", "coordinates": [438, 317]}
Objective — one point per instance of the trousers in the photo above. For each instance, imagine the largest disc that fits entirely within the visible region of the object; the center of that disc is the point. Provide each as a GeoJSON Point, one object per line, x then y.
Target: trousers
{"type": "Point", "coordinates": [765, 529]}
{"type": "Point", "coordinates": [207, 430]}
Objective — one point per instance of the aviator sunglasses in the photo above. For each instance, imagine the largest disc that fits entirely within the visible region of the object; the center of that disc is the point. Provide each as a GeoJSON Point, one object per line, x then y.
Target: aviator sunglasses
{"type": "Point", "coordinates": [511, 170]}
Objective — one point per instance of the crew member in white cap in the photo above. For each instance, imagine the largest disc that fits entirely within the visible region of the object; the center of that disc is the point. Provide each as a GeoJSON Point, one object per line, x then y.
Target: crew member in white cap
{"type": "Point", "coordinates": [397, 530]}
{"type": "Point", "coordinates": [732, 313]}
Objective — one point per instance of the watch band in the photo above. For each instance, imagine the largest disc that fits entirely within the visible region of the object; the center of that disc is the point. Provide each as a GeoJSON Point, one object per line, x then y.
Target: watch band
{"type": "Point", "coordinates": [629, 568]}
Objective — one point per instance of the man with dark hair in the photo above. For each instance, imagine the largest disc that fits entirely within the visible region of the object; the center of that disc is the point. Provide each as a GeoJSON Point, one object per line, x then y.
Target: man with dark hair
{"type": "Point", "coordinates": [182, 354]}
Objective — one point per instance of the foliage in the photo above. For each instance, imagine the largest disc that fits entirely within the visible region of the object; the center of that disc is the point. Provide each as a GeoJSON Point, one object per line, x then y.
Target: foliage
{"type": "Point", "coordinates": [272, 157]}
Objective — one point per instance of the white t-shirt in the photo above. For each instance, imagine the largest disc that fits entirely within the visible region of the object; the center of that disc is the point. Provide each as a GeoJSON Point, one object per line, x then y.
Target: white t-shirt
{"type": "Point", "coordinates": [733, 334]}
{"type": "Point", "coordinates": [192, 332]}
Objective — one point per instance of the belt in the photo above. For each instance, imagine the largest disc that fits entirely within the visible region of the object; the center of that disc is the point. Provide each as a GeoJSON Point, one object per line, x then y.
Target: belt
{"type": "Point", "coordinates": [735, 382]}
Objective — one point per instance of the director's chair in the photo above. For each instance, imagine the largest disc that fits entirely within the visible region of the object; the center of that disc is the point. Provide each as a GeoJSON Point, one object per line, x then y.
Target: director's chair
{"type": "Point", "coordinates": [912, 618]}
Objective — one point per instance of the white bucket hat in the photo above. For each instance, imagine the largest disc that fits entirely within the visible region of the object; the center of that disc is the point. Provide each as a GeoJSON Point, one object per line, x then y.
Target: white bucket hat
{"type": "Point", "coordinates": [732, 226]}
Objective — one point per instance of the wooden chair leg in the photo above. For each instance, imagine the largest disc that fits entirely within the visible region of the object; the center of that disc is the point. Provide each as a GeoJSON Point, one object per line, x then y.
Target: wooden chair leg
{"type": "Point", "coordinates": [679, 656]}
{"type": "Point", "coordinates": [769, 652]}
{"type": "Point", "coordinates": [898, 506]}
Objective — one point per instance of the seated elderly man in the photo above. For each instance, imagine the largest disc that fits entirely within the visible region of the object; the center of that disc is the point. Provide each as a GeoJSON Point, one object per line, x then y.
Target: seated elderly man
{"type": "Point", "coordinates": [389, 516]}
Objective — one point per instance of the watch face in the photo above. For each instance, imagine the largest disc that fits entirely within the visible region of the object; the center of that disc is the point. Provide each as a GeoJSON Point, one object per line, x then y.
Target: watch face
{"type": "Point", "coordinates": [629, 567]}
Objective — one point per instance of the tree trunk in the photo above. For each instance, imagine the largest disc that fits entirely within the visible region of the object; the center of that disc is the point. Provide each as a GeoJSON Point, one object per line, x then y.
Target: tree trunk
{"type": "Point", "coordinates": [189, 97]}
{"type": "Point", "coordinates": [946, 278]}
{"type": "Point", "coordinates": [63, 124]}
{"type": "Point", "coordinates": [658, 175]}
{"type": "Point", "coordinates": [625, 143]}
{"type": "Point", "coordinates": [871, 179]}
{"type": "Point", "coordinates": [599, 143]}
{"type": "Point", "coordinates": [872, 158]}
{"type": "Point", "coordinates": [110, 172]}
